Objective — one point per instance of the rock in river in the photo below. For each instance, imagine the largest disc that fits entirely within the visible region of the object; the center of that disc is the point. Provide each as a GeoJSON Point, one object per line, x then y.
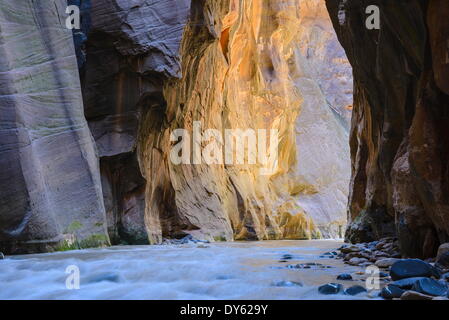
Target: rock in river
{"type": "Point", "coordinates": [390, 292]}
{"type": "Point", "coordinates": [430, 287]}
{"type": "Point", "coordinates": [330, 288]}
{"type": "Point", "coordinates": [287, 284]}
{"type": "Point", "coordinates": [344, 276]}
{"type": "Point", "coordinates": [406, 283]}
{"type": "Point", "coordinates": [354, 290]}
{"type": "Point", "coordinates": [386, 263]}
{"type": "Point", "coordinates": [413, 295]}
{"type": "Point", "coordinates": [409, 268]}
{"type": "Point", "coordinates": [443, 260]}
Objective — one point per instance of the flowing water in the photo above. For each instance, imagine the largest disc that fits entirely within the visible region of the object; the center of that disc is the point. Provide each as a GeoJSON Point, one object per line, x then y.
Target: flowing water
{"type": "Point", "coordinates": [232, 270]}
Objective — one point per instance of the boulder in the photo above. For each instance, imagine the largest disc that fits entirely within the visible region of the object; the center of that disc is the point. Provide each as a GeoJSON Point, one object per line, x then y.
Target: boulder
{"type": "Point", "coordinates": [442, 260]}
{"type": "Point", "coordinates": [445, 276]}
{"type": "Point", "coordinates": [430, 287]}
{"type": "Point", "coordinates": [406, 283]}
{"type": "Point", "coordinates": [386, 263]}
{"type": "Point", "coordinates": [330, 288]}
{"type": "Point", "coordinates": [442, 249]}
{"type": "Point", "coordinates": [357, 261]}
{"type": "Point", "coordinates": [390, 292]}
{"type": "Point", "coordinates": [344, 276]}
{"type": "Point", "coordinates": [409, 268]}
{"type": "Point", "coordinates": [413, 295]}
{"type": "Point", "coordinates": [354, 290]}
{"type": "Point", "coordinates": [350, 248]}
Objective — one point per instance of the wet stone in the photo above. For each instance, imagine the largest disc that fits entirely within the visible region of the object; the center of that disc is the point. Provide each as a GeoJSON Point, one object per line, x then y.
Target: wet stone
{"type": "Point", "coordinates": [409, 268]}
{"type": "Point", "coordinates": [443, 260]}
{"type": "Point", "coordinates": [104, 277]}
{"type": "Point", "coordinates": [430, 287]}
{"type": "Point", "coordinates": [390, 292]}
{"type": "Point", "coordinates": [354, 290]}
{"type": "Point", "coordinates": [330, 288]}
{"type": "Point", "coordinates": [406, 283]}
{"type": "Point", "coordinates": [287, 284]}
{"type": "Point", "coordinates": [344, 276]}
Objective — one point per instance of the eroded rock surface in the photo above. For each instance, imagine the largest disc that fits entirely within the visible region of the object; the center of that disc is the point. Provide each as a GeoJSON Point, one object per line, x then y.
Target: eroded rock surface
{"type": "Point", "coordinates": [399, 137]}
{"type": "Point", "coordinates": [50, 189]}
{"type": "Point", "coordinates": [244, 67]}
{"type": "Point", "coordinates": [131, 48]}
{"type": "Point", "coordinates": [148, 68]}
{"type": "Point", "coordinates": [227, 65]}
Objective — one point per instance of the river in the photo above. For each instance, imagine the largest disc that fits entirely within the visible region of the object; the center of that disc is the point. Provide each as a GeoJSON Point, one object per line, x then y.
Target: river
{"type": "Point", "coordinates": [223, 270]}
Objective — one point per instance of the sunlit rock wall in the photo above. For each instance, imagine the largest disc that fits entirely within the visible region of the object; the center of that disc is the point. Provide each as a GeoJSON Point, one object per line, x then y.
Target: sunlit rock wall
{"type": "Point", "coordinates": [50, 189]}
{"type": "Point", "coordinates": [246, 64]}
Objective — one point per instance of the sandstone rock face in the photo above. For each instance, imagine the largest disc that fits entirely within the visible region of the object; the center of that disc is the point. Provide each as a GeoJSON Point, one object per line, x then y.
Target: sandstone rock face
{"type": "Point", "coordinates": [131, 48]}
{"type": "Point", "coordinates": [50, 189]}
{"type": "Point", "coordinates": [148, 68]}
{"type": "Point", "coordinates": [227, 65]}
{"type": "Point", "coordinates": [399, 136]}
{"type": "Point", "coordinates": [244, 67]}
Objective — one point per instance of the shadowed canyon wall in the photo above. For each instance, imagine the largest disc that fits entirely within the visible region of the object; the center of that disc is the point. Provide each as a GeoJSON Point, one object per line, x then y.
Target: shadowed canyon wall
{"type": "Point", "coordinates": [148, 68]}
{"type": "Point", "coordinates": [50, 189]}
{"type": "Point", "coordinates": [399, 136]}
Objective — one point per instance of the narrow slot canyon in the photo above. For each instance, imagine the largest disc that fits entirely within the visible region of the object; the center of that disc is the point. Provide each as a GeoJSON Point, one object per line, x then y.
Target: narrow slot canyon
{"type": "Point", "coordinates": [235, 149]}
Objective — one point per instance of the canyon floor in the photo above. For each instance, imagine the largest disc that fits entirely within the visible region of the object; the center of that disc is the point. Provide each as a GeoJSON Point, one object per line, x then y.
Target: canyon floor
{"type": "Point", "coordinates": [223, 270]}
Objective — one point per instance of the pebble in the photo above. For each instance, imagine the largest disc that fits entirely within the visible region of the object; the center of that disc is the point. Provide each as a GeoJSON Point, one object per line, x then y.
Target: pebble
{"type": "Point", "coordinates": [330, 288]}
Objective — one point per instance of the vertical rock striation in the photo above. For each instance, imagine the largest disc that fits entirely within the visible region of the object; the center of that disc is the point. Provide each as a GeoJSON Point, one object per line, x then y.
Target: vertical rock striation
{"type": "Point", "coordinates": [154, 67]}
{"type": "Point", "coordinates": [148, 68]}
{"type": "Point", "coordinates": [50, 189]}
{"type": "Point", "coordinates": [244, 67]}
{"type": "Point", "coordinates": [399, 137]}
{"type": "Point", "coordinates": [132, 48]}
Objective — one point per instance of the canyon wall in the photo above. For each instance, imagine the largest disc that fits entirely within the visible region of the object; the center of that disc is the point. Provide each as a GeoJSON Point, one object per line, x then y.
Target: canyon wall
{"type": "Point", "coordinates": [149, 68]}
{"type": "Point", "coordinates": [399, 136]}
{"type": "Point", "coordinates": [50, 189]}
{"type": "Point", "coordinates": [155, 67]}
